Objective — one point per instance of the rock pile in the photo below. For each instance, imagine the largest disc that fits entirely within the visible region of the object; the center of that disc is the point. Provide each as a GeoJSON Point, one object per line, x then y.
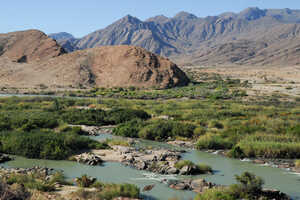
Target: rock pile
{"type": "Point", "coordinates": [198, 185]}
{"type": "Point", "coordinates": [88, 159]}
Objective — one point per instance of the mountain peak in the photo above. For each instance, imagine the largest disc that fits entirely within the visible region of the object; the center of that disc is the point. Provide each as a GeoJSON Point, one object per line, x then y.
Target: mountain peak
{"type": "Point", "coordinates": [130, 19]}
{"type": "Point", "coordinates": [252, 13]}
{"type": "Point", "coordinates": [158, 18]}
{"type": "Point", "coordinates": [185, 15]}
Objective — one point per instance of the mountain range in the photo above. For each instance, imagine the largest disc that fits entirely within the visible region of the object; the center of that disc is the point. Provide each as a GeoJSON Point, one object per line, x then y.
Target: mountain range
{"type": "Point", "coordinates": [252, 37]}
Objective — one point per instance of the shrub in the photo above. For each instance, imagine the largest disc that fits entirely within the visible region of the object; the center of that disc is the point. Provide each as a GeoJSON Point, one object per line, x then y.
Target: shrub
{"type": "Point", "coordinates": [60, 178]}
{"type": "Point", "coordinates": [85, 117]}
{"type": "Point", "coordinates": [197, 169]}
{"type": "Point", "coordinates": [15, 192]}
{"type": "Point", "coordinates": [199, 131]}
{"type": "Point", "coordinates": [250, 184]}
{"type": "Point", "coordinates": [210, 141]}
{"type": "Point", "coordinates": [85, 181]}
{"type": "Point", "coordinates": [180, 164]}
{"type": "Point", "coordinates": [45, 144]}
{"type": "Point", "coordinates": [161, 130]}
{"type": "Point", "coordinates": [297, 163]}
{"type": "Point", "coordinates": [249, 187]}
{"type": "Point", "coordinates": [117, 116]}
{"type": "Point", "coordinates": [214, 194]}
{"type": "Point", "coordinates": [106, 191]}
{"type": "Point", "coordinates": [30, 182]}
{"type": "Point", "coordinates": [118, 142]}
{"type": "Point", "coordinates": [130, 128]}
{"type": "Point", "coordinates": [270, 146]}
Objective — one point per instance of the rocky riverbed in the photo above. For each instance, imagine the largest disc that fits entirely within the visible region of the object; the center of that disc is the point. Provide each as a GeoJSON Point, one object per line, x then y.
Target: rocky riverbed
{"type": "Point", "coordinates": [44, 171]}
{"type": "Point", "coordinates": [160, 161]}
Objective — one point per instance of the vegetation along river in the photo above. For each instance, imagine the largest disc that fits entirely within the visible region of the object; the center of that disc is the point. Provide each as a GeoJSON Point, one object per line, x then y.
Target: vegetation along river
{"type": "Point", "coordinates": [225, 169]}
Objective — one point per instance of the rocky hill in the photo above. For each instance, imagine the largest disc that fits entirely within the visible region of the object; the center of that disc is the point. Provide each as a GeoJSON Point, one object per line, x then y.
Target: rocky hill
{"type": "Point", "coordinates": [30, 59]}
{"type": "Point", "coordinates": [253, 37]}
{"type": "Point", "coordinates": [26, 46]}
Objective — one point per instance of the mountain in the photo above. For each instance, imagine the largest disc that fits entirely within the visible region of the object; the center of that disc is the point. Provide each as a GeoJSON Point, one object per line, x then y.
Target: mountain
{"type": "Point", "coordinates": [26, 46]}
{"type": "Point", "coordinates": [253, 37]}
{"type": "Point", "coordinates": [61, 36]}
{"type": "Point", "coordinates": [31, 58]}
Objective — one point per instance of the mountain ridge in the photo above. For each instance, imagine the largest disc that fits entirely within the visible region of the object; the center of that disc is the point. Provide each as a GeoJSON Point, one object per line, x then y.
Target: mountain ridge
{"type": "Point", "coordinates": [183, 36]}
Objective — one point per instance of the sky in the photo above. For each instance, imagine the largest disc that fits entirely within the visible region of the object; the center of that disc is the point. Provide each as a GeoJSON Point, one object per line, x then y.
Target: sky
{"type": "Point", "coordinates": [80, 17]}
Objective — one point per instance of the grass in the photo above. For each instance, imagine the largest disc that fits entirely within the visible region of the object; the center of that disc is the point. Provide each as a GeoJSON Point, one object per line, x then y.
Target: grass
{"type": "Point", "coordinates": [249, 187]}
{"type": "Point", "coordinates": [270, 146]}
{"type": "Point", "coordinates": [46, 144]}
{"type": "Point", "coordinates": [105, 190]}
{"type": "Point", "coordinates": [297, 163]}
{"type": "Point", "coordinates": [30, 182]}
{"type": "Point", "coordinates": [213, 123]}
{"type": "Point", "coordinates": [117, 142]}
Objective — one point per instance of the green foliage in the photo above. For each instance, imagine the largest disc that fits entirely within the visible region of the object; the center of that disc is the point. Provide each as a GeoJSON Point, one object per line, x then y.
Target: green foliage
{"type": "Point", "coordinates": [180, 164]}
{"type": "Point", "coordinates": [161, 130]}
{"type": "Point", "coordinates": [90, 117]}
{"type": "Point", "coordinates": [30, 182]}
{"type": "Point", "coordinates": [250, 184]}
{"type": "Point", "coordinates": [249, 187]}
{"type": "Point", "coordinates": [60, 178]}
{"type": "Point", "coordinates": [198, 169]}
{"type": "Point", "coordinates": [117, 116]}
{"type": "Point", "coordinates": [27, 120]}
{"type": "Point", "coordinates": [85, 181]}
{"type": "Point", "coordinates": [158, 130]}
{"type": "Point", "coordinates": [97, 117]}
{"type": "Point", "coordinates": [268, 146]}
{"type": "Point", "coordinates": [45, 144]}
{"type": "Point", "coordinates": [211, 141]}
{"type": "Point", "coordinates": [130, 128]}
{"type": "Point", "coordinates": [297, 163]}
{"type": "Point", "coordinates": [106, 191]}
{"type": "Point", "coordinates": [214, 194]}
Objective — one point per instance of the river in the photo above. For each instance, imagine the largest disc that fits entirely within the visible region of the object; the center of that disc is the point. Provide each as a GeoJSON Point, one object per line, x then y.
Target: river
{"type": "Point", "coordinates": [225, 169]}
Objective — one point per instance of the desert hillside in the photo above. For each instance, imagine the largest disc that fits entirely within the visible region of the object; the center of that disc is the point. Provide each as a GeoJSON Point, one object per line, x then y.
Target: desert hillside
{"type": "Point", "coordinates": [31, 59]}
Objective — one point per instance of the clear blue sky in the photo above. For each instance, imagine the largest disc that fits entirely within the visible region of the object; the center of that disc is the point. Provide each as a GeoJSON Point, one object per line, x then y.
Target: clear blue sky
{"type": "Point", "coordinates": [81, 17]}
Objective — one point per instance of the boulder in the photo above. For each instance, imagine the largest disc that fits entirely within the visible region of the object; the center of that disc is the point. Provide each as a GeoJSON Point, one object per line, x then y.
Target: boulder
{"type": "Point", "coordinates": [4, 158]}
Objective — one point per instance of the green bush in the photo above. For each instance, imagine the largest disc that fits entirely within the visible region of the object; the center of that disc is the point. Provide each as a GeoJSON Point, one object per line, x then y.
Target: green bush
{"type": "Point", "coordinates": [249, 187]}
{"type": "Point", "coordinates": [269, 146]}
{"type": "Point", "coordinates": [85, 117]}
{"type": "Point", "coordinates": [198, 169]}
{"type": "Point", "coordinates": [297, 163]}
{"type": "Point", "coordinates": [214, 194]}
{"type": "Point", "coordinates": [30, 182]}
{"type": "Point", "coordinates": [130, 128]}
{"type": "Point", "coordinates": [210, 141]}
{"type": "Point", "coordinates": [161, 130]}
{"type": "Point", "coordinates": [118, 116]}
{"type": "Point", "coordinates": [45, 145]}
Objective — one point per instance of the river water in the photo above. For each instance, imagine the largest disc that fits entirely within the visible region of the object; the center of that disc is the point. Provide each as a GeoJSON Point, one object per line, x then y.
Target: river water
{"type": "Point", "coordinates": [225, 169]}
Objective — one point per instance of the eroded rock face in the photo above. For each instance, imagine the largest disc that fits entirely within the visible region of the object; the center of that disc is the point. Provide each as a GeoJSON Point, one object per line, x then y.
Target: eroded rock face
{"type": "Point", "coordinates": [119, 66]}
{"type": "Point", "coordinates": [27, 46]}
{"type": "Point", "coordinates": [31, 58]}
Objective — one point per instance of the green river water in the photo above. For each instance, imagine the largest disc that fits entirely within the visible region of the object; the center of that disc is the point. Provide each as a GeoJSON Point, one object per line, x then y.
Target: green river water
{"type": "Point", "coordinates": [225, 169]}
